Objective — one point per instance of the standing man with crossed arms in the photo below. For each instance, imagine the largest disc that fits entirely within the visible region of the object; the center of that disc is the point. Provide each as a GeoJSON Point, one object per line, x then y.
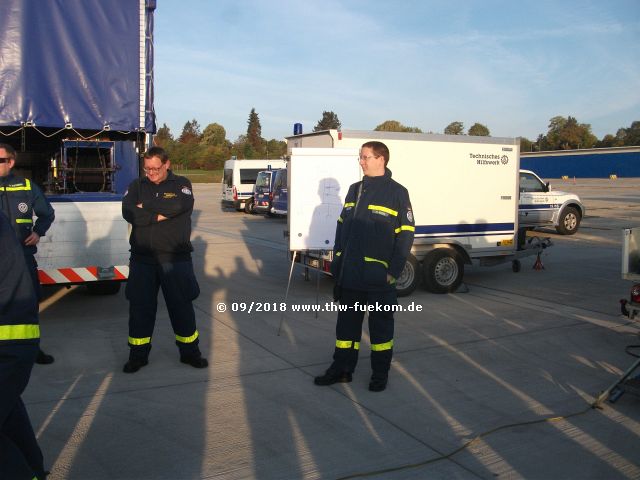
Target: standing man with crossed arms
{"type": "Point", "coordinates": [159, 208]}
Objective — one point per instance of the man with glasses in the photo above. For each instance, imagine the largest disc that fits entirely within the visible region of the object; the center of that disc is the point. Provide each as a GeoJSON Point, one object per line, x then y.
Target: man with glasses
{"type": "Point", "coordinates": [374, 235]}
{"type": "Point", "coordinates": [159, 208]}
{"type": "Point", "coordinates": [21, 200]}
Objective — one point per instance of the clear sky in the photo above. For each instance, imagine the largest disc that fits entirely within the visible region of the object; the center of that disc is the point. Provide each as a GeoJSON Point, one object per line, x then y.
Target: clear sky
{"type": "Point", "coordinates": [510, 65]}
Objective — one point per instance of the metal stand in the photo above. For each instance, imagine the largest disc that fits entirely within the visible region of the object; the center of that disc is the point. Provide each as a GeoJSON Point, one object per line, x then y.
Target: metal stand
{"type": "Point", "coordinates": [622, 385]}
{"type": "Point", "coordinates": [293, 261]}
{"type": "Point", "coordinates": [307, 278]}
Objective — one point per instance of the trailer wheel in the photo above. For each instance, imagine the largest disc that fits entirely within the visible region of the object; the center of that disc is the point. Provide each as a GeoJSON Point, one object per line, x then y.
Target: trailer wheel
{"type": "Point", "coordinates": [569, 221]}
{"type": "Point", "coordinates": [103, 288]}
{"type": "Point", "coordinates": [409, 279]}
{"type": "Point", "coordinates": [442, 270]}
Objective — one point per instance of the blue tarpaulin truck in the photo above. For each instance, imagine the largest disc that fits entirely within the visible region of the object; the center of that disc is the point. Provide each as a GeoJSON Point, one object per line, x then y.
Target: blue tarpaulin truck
{"type": "Point", "coordinates": [76, 102]}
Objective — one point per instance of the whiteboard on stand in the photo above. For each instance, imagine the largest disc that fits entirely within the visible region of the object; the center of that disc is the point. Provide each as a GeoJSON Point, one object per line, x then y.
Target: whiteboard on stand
{"type": "Point", "coordinates": [319, 179]}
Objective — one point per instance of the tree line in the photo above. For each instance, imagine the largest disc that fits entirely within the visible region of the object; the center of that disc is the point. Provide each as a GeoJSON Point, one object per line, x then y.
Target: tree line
{"type": "Point", "coordinates": [563, 134]}
{"type": "Point", "coordinates": [209, 148]}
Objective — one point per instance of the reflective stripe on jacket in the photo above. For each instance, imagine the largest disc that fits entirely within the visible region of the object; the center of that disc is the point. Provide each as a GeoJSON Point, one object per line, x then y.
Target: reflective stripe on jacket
{"type": "Point", "coordinates": [18, 303]}
{"type": "Point", "coordinates": [20, 199]}
{"type": "Point", "coordinates": [374, 234]}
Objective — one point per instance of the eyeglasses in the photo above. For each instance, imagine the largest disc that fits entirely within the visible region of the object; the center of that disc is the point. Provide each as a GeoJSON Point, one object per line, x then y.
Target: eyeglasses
{"type": "Point", "coordinates": [152, 169]}
{"type": "Point", "coordinates": [367, 157]}
{"type": "Point", "coordinates": [5, 160]}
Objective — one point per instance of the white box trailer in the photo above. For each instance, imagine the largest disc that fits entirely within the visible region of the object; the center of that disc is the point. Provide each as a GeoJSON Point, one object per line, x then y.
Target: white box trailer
{"type": "Point", "coordinates": [464, 193]}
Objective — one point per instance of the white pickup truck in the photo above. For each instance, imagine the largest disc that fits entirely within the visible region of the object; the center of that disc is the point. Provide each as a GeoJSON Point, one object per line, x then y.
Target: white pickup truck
{"type": "Point", "coordinates": [540, 207]}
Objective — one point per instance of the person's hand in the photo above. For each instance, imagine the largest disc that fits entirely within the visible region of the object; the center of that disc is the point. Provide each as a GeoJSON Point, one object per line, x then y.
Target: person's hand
{"type": "Point", "coordinates": [162, 217]}
{"type": "Point", "coordinates": [139, 205]}
{"type": "Point", "coordinates": [390, 279]}
{"type": "Point", "coordinates": [32, 239]}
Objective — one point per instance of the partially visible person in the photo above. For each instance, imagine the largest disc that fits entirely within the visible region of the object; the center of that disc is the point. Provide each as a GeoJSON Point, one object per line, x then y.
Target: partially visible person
{"type": "Point", "coordinates": [374, 235]}
{"type": "Point", "coordinates": [20, 199]}
{"type": "Point", "coordinates": [20, 455]}
{"type": "Point", "coordinates": [159, 208]}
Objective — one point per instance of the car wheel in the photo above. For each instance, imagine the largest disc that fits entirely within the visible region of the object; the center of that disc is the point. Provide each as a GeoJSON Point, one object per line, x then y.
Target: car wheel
{"type": "Point", "coordinates": [409, 279]}
{"type": "Point", "coordinates": [569, 221]}
{"type": "Point", "coordinates": [248, 207]}
{"type": "Point", "coordinates": [442, 270]}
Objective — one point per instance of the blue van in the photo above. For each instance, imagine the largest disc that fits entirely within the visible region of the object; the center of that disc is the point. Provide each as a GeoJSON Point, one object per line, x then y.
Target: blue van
{"type": "Point", "coordinates": [279, 204]}
{"type": "Point", "coordinates": [263, 191]}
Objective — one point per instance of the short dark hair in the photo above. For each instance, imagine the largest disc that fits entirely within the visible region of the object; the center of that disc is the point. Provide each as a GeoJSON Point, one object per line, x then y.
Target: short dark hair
{"type": "Point", "coordinates": [379, 149]}
{"type": "Point", "coordinates": [156, 152]}
{"type": "Point", "coordinates": [11, 152]}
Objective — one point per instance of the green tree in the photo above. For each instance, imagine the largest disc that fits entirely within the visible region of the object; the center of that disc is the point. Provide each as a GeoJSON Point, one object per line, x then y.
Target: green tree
{"type": "Point", "coordinates": [541, 143]}
{"type": "Point", "coordinates": [237, 147]}
{"type": "Point", "coordinates": [609, 141]}
{"type": "Point", "coordinates": [214, 134]}
{"type": "Point", "coordinates": [163, 136]}
{"type": "Point", "coordinates": [478, 130]}
{"type": "Point", "coordinates": [190, 132]}
{"type": "Point", "coordinates": [254, 135]}
{"type": "Point", "coordinates": [454, 128]}
{"type": "Point", "coordinates": [567, 133]}
{"type": "Point", "coordinates": [275, 148]}
{"type": "Point", "coordinates": [630, 136]}
{"type": "Point", "coordinates": [526, 145]}
{"type": "Point", "coordinates": [395, 126]}
{"type": "Point", "coordinates": [328, 121]}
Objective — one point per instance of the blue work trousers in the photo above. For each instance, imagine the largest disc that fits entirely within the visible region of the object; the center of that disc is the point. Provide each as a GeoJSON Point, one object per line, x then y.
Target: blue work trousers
{"type": "Point", "coordinates": [20, 455]}
{"type": "Point", "coordinates": [349, 329]}
{"type": "Point", "coordinates": [179, 288]}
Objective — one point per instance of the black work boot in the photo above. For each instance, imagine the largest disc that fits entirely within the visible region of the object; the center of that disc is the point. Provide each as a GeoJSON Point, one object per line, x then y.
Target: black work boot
{"type": "Point", "coordinates": [196, 361]}
{"type": "Point", "coordinates": [378, 382]}
{"type": "Point", "coordinates": [43, 358]}
{"type": "Point", "coordinates": [134, 364]}
{"type": "Point", "coordinates": [332, 376]}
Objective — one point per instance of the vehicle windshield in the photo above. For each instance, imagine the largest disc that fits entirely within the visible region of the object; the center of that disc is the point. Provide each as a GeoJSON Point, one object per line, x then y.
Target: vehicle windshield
{"type": "Point", "coordinates": [529, 183]}
{"type": "Point", "coordinates": [263, 179]}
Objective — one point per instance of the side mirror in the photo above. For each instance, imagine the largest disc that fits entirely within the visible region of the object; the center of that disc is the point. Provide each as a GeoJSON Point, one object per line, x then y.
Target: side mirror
{"type": "Point", "coordinates": [546, 187]}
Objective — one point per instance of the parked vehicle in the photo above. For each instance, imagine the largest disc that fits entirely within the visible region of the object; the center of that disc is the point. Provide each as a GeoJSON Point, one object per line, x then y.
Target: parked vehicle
{"type": "Point", "coordinates": [631, 271]}
{"type": "Point", "coordinates": [279, 205]}
{"type": "Point", "coordinates": [263, 191]}
{"type": "Point", "coordinates": [539, 206]}
{"type": "Point", "coordinates": [464, 193]}
{"type": "Point", "coordinates": [79, 125]}
{"type": "Point", "coordinates": [239, 179]}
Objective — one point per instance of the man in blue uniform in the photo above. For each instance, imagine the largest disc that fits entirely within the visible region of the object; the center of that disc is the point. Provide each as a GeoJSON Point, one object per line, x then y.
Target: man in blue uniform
{"type": "Point", "coordinates": [159, 207]}
{"type": "Point", "coordinates": [20, 198]}
{"type": "Point", "coordinates": [373, 238]}
{"type": "Point", "coordinates": [20, 455]}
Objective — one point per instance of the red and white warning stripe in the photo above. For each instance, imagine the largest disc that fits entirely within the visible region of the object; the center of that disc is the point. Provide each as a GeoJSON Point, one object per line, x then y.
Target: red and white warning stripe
{"type": "Point", "coordinates": [79, 275]}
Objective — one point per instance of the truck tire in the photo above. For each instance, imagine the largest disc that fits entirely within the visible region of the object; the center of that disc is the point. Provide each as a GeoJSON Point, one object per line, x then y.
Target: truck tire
{"type": "Point", "coordinates": [409, 279]}
{"type": "Point", "coordinates": [248, 207]}
{"type": "Point", "coordinates": [103, 288]}
{"type": "Point", "coordinates": [569, 221]}
{"type": "Point", "coordinates": [442, 270]}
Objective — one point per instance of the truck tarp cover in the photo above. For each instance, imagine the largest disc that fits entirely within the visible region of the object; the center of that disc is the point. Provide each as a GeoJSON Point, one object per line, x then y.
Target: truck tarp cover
{"type": "Point", "coordinates": [73, 61]}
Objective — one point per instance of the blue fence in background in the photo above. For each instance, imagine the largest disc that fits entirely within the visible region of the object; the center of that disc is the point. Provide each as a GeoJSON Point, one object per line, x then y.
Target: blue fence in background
{"type": "Point", "coordinates": [623, 162]}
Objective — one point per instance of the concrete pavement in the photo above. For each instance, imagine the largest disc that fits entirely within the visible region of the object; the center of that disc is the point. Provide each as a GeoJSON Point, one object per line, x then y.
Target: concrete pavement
{"type": "Point", "coordinates": [512, 366]}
